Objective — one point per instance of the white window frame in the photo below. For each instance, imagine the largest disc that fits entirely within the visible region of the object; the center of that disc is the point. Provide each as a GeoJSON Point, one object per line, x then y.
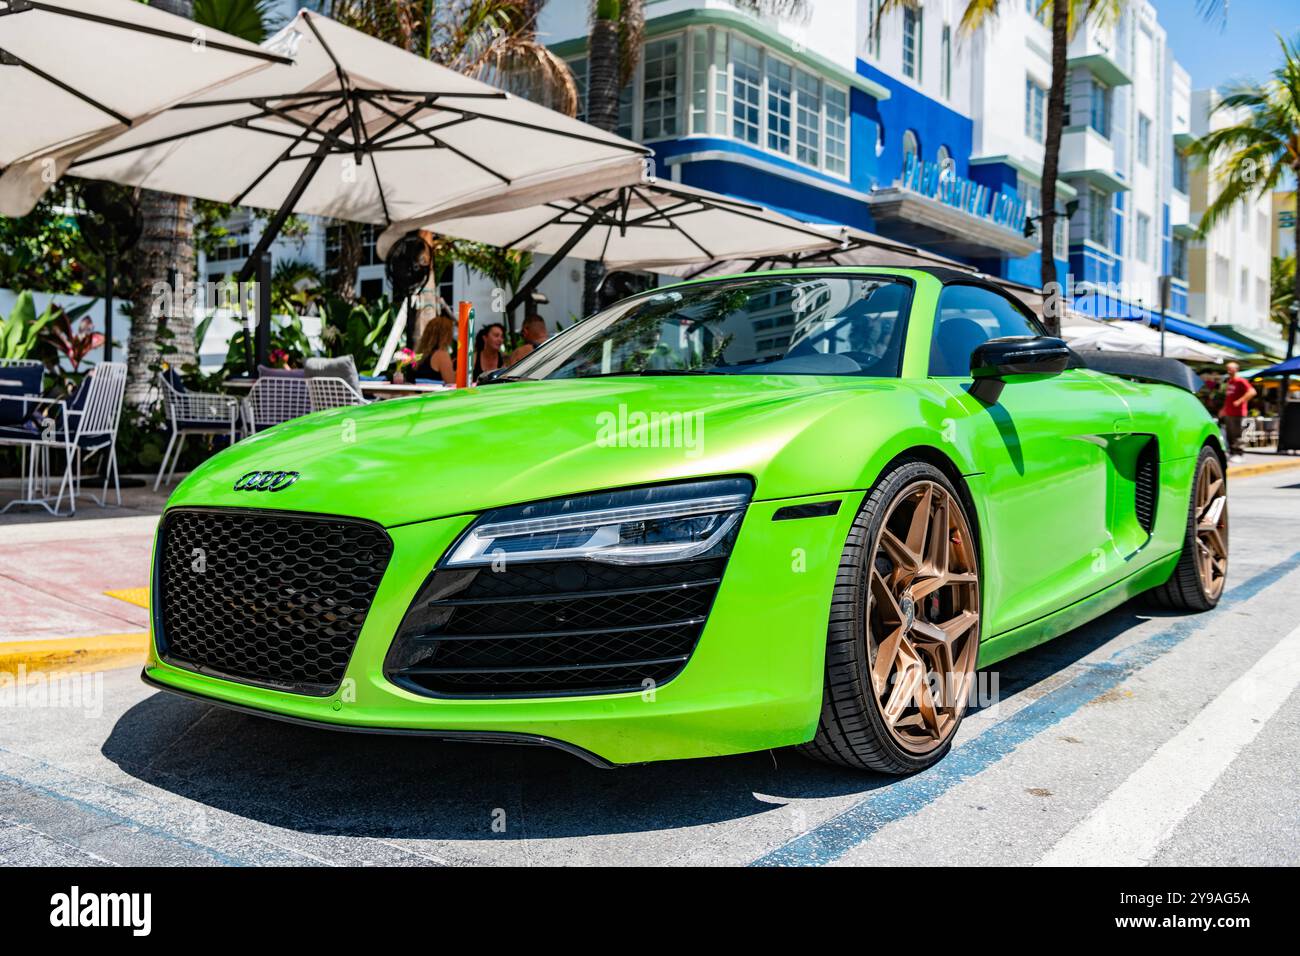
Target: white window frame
{"type": "Point", "coordinates": [1142, 228]}
{"type": "Point", "coordinates": [1035, 110]}
{"type": "Point", "coordinates": [720, 118]}
{"type": "Point", "coordinates": [1144, 139]}
{"type": "Point", "coordinates": [914, 36]}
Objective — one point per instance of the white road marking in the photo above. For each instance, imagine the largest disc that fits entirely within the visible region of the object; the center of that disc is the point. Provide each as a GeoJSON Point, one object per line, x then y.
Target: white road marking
{"type": "Point", "coordinates": [1141, 813]}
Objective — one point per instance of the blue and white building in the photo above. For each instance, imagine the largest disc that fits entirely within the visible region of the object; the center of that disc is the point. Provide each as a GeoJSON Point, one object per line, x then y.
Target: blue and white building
{"type": "Point", "coordinates": [907, 126]}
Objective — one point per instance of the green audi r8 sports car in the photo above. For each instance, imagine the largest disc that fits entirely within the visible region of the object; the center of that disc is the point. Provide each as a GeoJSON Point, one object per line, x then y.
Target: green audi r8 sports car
{"type": "Point", "coordinates": [786, 508]}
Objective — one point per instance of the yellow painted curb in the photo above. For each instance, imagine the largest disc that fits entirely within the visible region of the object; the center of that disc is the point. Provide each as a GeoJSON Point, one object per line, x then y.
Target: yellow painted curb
{"type": "Point", "coordinates": [1245, 471]}
{"type": "Point", "coordinates": [102, 652]}
{"type": "Point", "coordinates": [137, 596]}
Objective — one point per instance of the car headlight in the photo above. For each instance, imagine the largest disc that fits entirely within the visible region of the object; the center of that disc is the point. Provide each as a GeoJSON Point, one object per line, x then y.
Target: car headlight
{"type": "Point", "coordinates": [638, 526]}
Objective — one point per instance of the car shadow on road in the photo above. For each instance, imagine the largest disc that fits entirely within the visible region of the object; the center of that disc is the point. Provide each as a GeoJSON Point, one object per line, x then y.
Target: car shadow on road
{"type": "Point", "coordinates": [327, 782]}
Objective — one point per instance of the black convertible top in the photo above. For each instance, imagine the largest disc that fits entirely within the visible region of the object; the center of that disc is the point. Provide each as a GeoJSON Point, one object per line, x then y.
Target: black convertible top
{"type": "Point", "coordinates": [1145, 368]}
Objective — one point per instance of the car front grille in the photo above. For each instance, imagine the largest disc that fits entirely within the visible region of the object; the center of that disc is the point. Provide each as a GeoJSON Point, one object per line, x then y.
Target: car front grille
{"type": "Point", "coordinates": [266, 598]}
{"type": "Point", "coordinates": [562, 627]}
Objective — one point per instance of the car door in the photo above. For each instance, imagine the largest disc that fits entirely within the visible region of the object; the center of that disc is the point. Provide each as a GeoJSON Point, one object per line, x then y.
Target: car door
{"type": "Point", "coordinates": [1043, 453]}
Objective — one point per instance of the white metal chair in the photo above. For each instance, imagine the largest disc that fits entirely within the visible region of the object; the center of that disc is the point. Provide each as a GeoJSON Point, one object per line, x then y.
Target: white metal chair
{"type": "Point", "coordinates": [97, 420]}
{"type": "Point", "coordinates": [192, 413]}
{"type": "Point", "coordinates": [273, 400]}
{"type": "Point", "coordinates": [329, 392]}
{"type": "Point", "coordinates": [81, 425]}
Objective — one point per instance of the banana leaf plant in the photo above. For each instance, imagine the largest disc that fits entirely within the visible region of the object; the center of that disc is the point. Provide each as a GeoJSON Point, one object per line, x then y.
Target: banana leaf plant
{"type": "Point", "coordinates": [20, 332]}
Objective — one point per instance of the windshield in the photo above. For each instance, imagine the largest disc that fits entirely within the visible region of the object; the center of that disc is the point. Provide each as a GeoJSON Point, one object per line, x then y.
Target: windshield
{"type": "Point", "coordinates": [780, 325]}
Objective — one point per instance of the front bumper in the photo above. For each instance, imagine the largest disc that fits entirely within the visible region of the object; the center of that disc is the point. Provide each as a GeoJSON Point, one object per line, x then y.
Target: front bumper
{"type": "Point", "coordinates": [754, 681]}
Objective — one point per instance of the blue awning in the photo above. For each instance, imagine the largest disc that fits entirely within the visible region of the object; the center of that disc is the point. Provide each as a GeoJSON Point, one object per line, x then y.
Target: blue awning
{"type": "Point", "coordinates": [1290, 367]}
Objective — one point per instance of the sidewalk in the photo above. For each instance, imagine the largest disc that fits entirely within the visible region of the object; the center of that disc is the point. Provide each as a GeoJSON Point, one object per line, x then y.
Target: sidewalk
{"type": "Point", "coordinates": [54, 573]}
{"type": "Point", "coordinates": [1260, 461]}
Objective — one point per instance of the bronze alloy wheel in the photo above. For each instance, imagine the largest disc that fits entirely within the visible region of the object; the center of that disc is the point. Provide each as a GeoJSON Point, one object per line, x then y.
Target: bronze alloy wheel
{"type": "Point", "coordinates": [923, 610]}
{"type": "Point", "coordinates": [1210, 501]}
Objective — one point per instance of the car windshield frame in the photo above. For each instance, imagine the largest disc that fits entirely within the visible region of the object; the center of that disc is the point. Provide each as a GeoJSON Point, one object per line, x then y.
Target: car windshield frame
{"type": "Point", "coordinates": [556, 353]}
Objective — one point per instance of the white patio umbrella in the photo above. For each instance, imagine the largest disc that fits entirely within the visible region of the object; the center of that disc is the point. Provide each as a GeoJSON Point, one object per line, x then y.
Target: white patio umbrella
{"type": "Point", "coordinates": [75, 73]}
{"type": "Point", "coordinates": [645, 226]}
{"type": "Point", "coordinates": [1130, 336]}
{"type": "Point", "coordinates": [361, 130]}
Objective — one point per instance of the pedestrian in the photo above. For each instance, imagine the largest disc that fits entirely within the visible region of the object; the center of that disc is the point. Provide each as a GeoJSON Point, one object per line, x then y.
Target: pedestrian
{"type": "Point", "coordinates": [534, 332]}
{"type": "Point", "coordinates": [487, 349]}
{"type": "Point", "coordinates": [1237, 393]}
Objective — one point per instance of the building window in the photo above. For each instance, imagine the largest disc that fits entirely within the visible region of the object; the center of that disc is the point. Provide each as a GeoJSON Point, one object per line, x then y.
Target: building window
{"type": "Point", "coordinates": [1221, 274]}
{"type": "Point", "coordinates": [945, 80]}
{"type": "Point", "coordinates": [708, 81]}
{"type": "Point", "coordinates": [1261, 226]}
{"type": "Point", "coordinates": [1144, 139]}
{"type": "Point", "coordinates": [1099, 217]}
{"type": "Point", "coordinates": [837, 130]}
{"type": "Point", "coordinates": [1143, 237]}
{"type": "Point", "coordinates": [661, 89]}
{"type": "Point", "coordinates": [1261, 295]}
{"type": "Point", "coordinates": [808, 119]}
{"type": "Point", "coordinates": [1099, 108]}
{"type": "Point", "coordinates": [626, 97]}
{"type": "Point", "coordinates": [1243, 295]}
{"type": "Point", "coordinates": [780, 100]}
{"type": "Point", "coordinates": [1035, 111]}
{"type": "Point", "coordinates": [912, 43]}
{"type": "Point", "coordinates": [1178, 259]}
{"type": "Point", "coordinates": [1180, 171]}
{"type": "Point", "coordinates": [873, 38]}
{"type": "Point", "coordinates": [943, 157]}
{"type": "Point", "coordinates": [911, 147]}
{"type": "Point", "coordinates": [746, 90]}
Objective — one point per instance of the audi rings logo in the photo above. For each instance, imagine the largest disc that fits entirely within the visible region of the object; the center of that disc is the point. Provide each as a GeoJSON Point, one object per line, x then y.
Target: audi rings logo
{"type": "Point", "coordinates": [266, 480]}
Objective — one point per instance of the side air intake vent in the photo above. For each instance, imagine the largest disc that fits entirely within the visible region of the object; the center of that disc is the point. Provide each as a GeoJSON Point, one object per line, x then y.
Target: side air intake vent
{"type": "Point", "coordinates": [1146, 483]}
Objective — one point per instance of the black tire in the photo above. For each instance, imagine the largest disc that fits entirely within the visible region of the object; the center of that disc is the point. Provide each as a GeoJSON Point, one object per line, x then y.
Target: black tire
{"type": "Point", "coordinates": [851, 731]}
{"type": "Point", "coordinates": [1186, 589]}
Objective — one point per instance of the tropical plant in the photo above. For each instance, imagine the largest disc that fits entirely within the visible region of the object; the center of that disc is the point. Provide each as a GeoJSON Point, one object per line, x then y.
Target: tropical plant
{"type": "Point", "coordinates": [1251, 156]}
{"type": "Point", "coordinates": [296, 286]}
{"type": "Point", "coordinates": [252, 20]}
{"type": "Point", "coordinates": [355, 329]}
{"type": "Point", "coordinates": [69, 335]}
{"type": "Point", "coordinates": [45, 248]}
{"type": "Point", "coordinates": [20, 332]}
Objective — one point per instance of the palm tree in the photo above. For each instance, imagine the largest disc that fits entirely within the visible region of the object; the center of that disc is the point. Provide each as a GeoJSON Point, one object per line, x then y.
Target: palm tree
{"type": "Point", "coordinates": [249, 20]}
{"type": "Point", "coordinates": [491, 40]}
{"type": "Point", "coordinates": [613, 50]}
{"type": "Point", "coordinates": [1066, 18]}
{"type": "Point", "coordinates": [1250, 157]}
{"type": "Point", "coordinates": [164, 254]}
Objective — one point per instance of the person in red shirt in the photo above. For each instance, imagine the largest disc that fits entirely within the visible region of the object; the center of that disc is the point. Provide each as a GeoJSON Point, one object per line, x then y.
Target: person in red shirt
{"type": "Point", "coordinates": [1237, 393]}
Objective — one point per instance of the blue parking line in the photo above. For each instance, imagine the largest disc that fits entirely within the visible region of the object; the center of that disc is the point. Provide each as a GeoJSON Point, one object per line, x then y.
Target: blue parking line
{"type": "Point", "coordinates": [829, 841]}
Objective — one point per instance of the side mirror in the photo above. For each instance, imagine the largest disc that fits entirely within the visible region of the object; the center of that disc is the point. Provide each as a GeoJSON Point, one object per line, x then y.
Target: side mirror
{"type": "Point", "coordinates": [993, 361]}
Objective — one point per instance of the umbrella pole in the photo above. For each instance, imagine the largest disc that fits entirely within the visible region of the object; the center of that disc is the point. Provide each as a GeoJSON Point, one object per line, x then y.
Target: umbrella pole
{"type": "Point", "coordinates": [546, 268]}
{"type": "Point", "coordinates": [262, 338]}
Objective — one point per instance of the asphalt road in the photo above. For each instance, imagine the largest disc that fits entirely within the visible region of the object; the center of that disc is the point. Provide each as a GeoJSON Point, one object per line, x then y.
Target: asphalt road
{"type": "Point", "coordinates": [1140, 738]}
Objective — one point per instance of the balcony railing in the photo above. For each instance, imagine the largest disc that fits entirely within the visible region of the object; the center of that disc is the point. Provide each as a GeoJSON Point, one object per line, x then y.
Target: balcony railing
{"type": "Point", "coordinates": [939, 183]}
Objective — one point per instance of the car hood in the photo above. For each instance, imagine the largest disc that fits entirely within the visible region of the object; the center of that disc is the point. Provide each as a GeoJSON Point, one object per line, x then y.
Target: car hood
{"type": "Point", "coordinates": [466, 450]}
